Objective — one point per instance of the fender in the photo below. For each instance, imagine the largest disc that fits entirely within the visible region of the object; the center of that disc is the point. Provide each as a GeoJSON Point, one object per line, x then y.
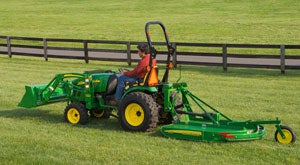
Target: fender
{"type": "Point", "coordinates": [140, 89]}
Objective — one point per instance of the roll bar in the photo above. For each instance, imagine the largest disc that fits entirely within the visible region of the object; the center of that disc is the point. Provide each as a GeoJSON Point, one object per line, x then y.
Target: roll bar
{"type": "Point", "coordinates": [153, 51]}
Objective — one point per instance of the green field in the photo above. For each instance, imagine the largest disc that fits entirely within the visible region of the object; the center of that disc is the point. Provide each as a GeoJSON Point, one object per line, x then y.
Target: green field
{"type": "Point", "coordinates": [207, 21]}
{"type": "Point", "coordinates": [41, 136]}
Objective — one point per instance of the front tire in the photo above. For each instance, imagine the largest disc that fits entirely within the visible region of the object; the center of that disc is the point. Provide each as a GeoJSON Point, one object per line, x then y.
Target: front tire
{"type": "Point", "coordinates": [76, 113]}
{"type": "Point", "coordinates": [138, 112]}
{"type": "Point", "coordinates": [290, 136]}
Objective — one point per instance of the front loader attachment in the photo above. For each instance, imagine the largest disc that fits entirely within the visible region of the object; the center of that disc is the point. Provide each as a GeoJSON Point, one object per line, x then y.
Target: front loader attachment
{"type": "Point", "coordinates": [34, 97]}
{"type": "Point", "coordinates": [58, 89]}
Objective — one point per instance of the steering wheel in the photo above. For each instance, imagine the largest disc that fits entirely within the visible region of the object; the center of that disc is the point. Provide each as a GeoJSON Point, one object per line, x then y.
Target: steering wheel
{"type": "Point", "coordinates": [123, 70]}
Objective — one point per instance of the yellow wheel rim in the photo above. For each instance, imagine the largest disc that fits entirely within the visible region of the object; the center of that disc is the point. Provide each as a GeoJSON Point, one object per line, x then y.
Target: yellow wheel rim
{"type": "Point", "coordinates": [73, 116]}
{"type": "Point", "coordinates": [288, 137]}
{"type": "Point", "coordinates": [98, 114]}
{"type": "Point", "coordinates": [134, 114]}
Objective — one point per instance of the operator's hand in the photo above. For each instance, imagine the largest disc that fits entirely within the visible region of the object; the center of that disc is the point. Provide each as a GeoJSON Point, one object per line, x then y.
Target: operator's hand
{"type": "Point", "coordinates": [122, 70]}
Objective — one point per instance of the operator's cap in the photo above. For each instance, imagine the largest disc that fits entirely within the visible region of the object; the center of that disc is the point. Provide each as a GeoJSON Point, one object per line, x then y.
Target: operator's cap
{"type": "Point", "coordinates": [144, 47]}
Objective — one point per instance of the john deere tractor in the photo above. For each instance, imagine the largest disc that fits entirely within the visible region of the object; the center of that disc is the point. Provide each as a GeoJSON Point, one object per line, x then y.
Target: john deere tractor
{"type": "Point", "coordinates": [88, 94]}
{"type": "Point", "coordinates": [148, 103]}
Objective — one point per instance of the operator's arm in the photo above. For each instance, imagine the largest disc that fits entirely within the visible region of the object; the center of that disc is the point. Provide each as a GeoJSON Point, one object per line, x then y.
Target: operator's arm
{"type": "Point", "coordinates": [140, 70]}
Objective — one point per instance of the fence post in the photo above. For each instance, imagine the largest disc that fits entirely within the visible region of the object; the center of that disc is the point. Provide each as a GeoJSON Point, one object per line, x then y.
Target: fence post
{"type": "Point", "coordinates": [128, 53]}
{"type": "Point", "coordinates": [8, 46]}
{"type": "Point", "coordinates": [224, 55]}
{"type": "Point", "coordinates": [45, 49]}
{"type": "Point", "coordinates": [174, 58]}
{"type": "Point", "coordinates": [282, 59]}
{"type": "Point", "coordinates": [86, 51]}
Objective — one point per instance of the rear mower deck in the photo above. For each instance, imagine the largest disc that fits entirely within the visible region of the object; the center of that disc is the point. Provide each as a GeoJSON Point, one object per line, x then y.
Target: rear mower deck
{"type": "Point", "coordinates": [211, 133]}
{"type": "Point", "coordinates": [213, 126]}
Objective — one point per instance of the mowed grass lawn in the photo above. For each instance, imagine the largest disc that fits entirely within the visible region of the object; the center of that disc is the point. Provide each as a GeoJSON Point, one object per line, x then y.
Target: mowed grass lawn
{"type": "Point", "coordinates": [41, 136]}
{"type": "Point", "coordinates": [219, 21]}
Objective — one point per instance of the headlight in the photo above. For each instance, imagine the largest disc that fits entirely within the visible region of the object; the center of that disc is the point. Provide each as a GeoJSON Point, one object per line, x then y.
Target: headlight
{"type": "Point", "coordinates": [87, 83]}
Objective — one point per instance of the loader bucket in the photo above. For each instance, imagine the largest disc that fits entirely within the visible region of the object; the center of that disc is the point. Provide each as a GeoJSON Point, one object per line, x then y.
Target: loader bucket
{"type": "Point", "coordinates": [34, 96]}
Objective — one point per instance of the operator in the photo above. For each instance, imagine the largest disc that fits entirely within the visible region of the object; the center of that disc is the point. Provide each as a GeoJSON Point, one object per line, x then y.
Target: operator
{"type": "Point", "coordinates": [132, 76]}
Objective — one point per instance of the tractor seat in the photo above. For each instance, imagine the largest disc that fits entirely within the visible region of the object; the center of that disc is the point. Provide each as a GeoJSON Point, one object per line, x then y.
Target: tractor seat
{"type": "Point", "coordinates": [111, 84]}
{"type": "Point", "coordinates": [150, 79]}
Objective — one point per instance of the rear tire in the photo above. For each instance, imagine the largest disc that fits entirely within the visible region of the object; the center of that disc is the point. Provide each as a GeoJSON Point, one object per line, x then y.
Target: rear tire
{"type": "Point", "coordinates": [290, 136]}
{"type": "Point", "coordinates": [138, 112]}
{"type": "Point", "coordinates": [76, 113]}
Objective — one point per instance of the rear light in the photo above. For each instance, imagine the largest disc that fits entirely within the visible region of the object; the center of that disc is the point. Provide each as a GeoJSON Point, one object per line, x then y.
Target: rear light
{"type": "Point", "coordinates": [170, 66]}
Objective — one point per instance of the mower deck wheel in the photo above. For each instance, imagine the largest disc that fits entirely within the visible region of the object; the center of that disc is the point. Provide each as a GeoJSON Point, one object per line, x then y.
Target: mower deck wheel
{"type": "Point", "coordinates": [290, 136]}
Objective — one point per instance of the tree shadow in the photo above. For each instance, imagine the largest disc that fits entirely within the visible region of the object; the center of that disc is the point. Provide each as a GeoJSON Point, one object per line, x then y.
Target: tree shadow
{"type": "Point", "coordinates": [55, 118]}
{"type": "Point", "coordinates": [43, 115]}
{"type": "Point", "coordinates": [48, 117]}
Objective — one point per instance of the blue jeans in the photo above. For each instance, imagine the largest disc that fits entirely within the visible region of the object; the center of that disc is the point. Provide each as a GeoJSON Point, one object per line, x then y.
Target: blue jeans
{"type": "Point", "coordinates": [121, 85]}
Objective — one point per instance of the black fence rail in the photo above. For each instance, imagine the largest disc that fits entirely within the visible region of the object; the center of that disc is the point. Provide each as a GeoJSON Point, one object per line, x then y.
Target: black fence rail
{"type": "Point", "coordinates": [225, 55]}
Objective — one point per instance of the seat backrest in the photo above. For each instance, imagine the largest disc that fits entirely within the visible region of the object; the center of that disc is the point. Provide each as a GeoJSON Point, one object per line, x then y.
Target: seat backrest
{"type": "Point", "coordinates": [151, 77]}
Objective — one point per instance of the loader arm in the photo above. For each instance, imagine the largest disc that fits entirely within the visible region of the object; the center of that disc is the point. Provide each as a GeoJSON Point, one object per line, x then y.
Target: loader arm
{"type": "Point", "coordinates": [57, 90]}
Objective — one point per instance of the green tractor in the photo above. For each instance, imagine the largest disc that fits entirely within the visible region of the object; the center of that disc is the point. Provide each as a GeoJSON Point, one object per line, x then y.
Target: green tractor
{"type": "Point", "coordinates": [88, 94]}
{"type": "Point", "coordinates": [147, 104]}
